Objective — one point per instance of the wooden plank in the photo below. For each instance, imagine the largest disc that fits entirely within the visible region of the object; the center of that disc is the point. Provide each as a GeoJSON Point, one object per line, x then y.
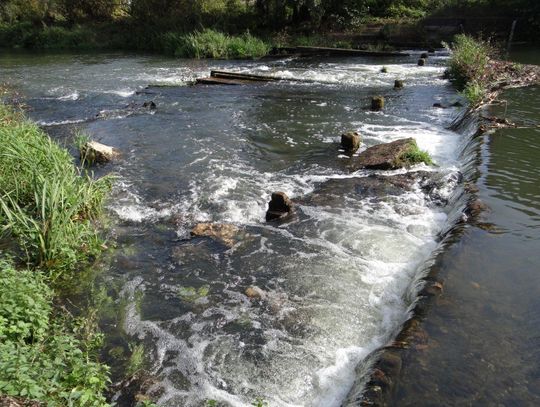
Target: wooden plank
{"type": "Point", "coordinates": [242, 76]}
{"type": "Point", "coordinates": [221, 81]}
{"type": "Point", "coordinates": [348, 52]}
{"type": "Point", "coordinates": [254, 78]}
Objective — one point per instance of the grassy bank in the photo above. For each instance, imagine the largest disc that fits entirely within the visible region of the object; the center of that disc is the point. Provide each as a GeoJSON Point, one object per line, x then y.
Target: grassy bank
{"type": "Point", "coordinates": [48, 213]}
{"type": "Point", "coordinates": [198, 44]}
{"type": "Point", "coordinates": [477, 72]}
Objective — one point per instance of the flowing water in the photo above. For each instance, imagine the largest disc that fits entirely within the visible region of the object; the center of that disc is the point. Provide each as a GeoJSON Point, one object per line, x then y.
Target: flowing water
{"type": "Point", "coordinates": [483, 332]}
{"type": "Point", "coordinates": [339, 276]}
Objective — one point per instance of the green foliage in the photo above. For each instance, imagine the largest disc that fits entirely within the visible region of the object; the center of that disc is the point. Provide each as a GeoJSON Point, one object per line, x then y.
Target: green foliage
{"type": "Point", "coordinates": [416, 156]}
{"type": "Point", "coordinates": [469, 60]}
{"type": "Point", "coordinates": [214, 44]}
{"type": "Point", "coordinates": [470, 69]}
{"type": "Point", "coordinates": [136, 360]}
{"type": "Point", "coordinates": [474, 92]}
{"type": "Point", "coordinates": [41, 359]}
{"type": "Point", "coordinates": [24, 314]}
{"type": "Point", "coordinates": [45, 203]}
{"type": "Point", "coordinates": [48, 207]}
{"type": "Point", "coordinates": [259, 402]}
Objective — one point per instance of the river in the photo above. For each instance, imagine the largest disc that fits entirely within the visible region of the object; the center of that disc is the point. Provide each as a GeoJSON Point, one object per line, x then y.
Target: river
{"type": "Point", "coordinates": [340, 276]}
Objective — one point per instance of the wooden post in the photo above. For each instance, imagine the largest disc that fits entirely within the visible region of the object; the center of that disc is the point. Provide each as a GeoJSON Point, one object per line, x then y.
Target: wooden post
{"type": "Point", "coordinates": [510, 38]}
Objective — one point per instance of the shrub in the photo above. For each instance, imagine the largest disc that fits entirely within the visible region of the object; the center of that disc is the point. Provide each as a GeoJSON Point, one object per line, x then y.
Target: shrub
{"type": "Point", "coordinates": [474, 92]}
{"type": "Point", "coordinates": [40, 359]}
{"type": "Point", "coordinates": [25, 309]}
{"type": "Point", "coordinates": [469, 60]}
{"type": "Point", "coordinates": [214, 44]}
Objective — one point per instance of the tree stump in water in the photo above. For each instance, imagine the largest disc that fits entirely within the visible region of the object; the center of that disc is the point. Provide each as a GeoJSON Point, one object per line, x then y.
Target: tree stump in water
{"type": "Point", "coordinates": [350, 141]}
{"type": "Point", "coordinates": [279, 206]}
{"type": "Point", "coordinates": [377, 103]}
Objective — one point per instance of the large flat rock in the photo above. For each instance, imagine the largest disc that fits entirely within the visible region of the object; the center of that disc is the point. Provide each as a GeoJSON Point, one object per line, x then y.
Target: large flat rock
{"type": "Point", "coordinates": [388, 156]}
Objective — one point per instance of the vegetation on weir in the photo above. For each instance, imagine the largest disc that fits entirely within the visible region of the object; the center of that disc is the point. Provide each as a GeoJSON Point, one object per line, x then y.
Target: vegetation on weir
{"type": "Point", "coordinates": [469, 67]}
{"type": "Point", "coordinates": [48, 211]}
{"type": "Point", "coordinates": [479, 75]}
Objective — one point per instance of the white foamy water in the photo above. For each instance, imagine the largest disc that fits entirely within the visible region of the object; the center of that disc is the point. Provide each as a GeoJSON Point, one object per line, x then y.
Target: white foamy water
{"type": "Point", "coordinates": [336, 277]}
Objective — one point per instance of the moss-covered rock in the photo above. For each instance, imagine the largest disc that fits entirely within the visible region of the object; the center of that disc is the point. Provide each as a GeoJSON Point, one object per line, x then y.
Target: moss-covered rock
{"type": "Point", "coordinates": [391, 156]}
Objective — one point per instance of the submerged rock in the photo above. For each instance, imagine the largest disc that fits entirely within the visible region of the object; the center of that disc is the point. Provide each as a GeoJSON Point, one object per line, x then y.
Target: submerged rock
{"type": "Point", "coordinates": [255, 292]}
{"type": "Point", "coordinates": [338, 192]}
{"type": "Point", "coordinates": [398, 84]}
{"type": "Point", "coordinates": [424, 55]}
{"type": "Point", "coordinates": [421, 62]}
{"type": "Point", "coordinates": [150, 105]}
{"type": "Point", "coordinates": [279, 206]}
{"type": "Point", "coordinates": [94, 152]}
{"type": "Point", "coordinates": [350, 141]}
{"type": "Point", "coordinates": [377, 103]}
{"type": "Point", "coordinates": [388, 156]}
{"type": "Point", "coordinates": [225, 233]}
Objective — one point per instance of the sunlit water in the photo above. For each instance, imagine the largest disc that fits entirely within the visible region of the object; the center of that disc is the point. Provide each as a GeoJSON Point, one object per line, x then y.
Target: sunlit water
{"type": "Point", "coordinates": [338, 276]}
{"type": "Point", "coordinates": [483, 335]}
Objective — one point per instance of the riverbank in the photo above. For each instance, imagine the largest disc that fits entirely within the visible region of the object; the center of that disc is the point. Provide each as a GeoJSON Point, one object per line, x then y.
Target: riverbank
{"type": "Point", "coordinates": [49, 211]}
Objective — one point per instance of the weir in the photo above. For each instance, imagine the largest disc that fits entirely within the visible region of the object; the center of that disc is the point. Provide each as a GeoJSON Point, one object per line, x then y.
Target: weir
{"type": "Point", "coordinates": [336, 276]}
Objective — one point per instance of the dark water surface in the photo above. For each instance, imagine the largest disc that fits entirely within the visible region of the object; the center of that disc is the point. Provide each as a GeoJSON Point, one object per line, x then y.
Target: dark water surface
{"type": "Point", "coordinates": [340, 276]}
{"type": "Point", "coordinates": [484, 331]}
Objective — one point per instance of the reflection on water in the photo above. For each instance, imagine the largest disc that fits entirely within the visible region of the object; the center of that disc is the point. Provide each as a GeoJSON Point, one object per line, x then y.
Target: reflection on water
{"type": "Point", "coordinates": [484, 332]}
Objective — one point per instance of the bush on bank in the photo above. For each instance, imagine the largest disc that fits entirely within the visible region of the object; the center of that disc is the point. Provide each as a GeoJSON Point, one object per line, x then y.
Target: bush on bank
{"type": "Point", "coordinates": [213, 44]}
{"type": "Point", "coordinates": [47, 215]}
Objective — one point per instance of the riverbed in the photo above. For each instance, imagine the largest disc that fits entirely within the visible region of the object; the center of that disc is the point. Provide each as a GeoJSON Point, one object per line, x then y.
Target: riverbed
{"type": "Point", "coordinates": [339, 277]}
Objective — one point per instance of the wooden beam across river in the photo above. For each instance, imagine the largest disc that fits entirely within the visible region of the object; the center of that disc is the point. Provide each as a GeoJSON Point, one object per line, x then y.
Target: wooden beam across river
{"type": "Point", "coordinates": [239, 78]}
{"type": "Point", "coordinates": [307, 51]}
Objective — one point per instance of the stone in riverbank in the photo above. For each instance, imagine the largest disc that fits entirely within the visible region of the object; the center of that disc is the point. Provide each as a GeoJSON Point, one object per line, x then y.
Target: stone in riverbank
{"type": "Point", "coordinates": [377, 103]}
{"type": "Point", "coordinates": [388, 156]}
{"type": "Point", "coordinates": [279, 206]}
{"type": "Point", "coordinates": [225, 233]}
{"type": "Point", "coordinates": [350, 141]}
{"type": "Point", "coordinates": [94, 152]}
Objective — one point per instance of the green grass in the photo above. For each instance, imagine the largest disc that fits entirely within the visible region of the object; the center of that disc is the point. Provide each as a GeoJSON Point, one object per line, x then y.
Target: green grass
{"type": "Point", "coordinates": [416, 156]}
{"type": "Point", "coordinates": [213, 44]}
{"type": "Point", "coordinates": [475, 93]}
{"type": "Point", "coordinates": [469, 60]}
{"type": "Point", "coordinates": [469, 67]}
{"type": "Point", "coordinates": [41, 358]}
{"type": "Point", "coordinates": [48, 210]}
{"type": "Point", "coordinates": [46, 204]}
